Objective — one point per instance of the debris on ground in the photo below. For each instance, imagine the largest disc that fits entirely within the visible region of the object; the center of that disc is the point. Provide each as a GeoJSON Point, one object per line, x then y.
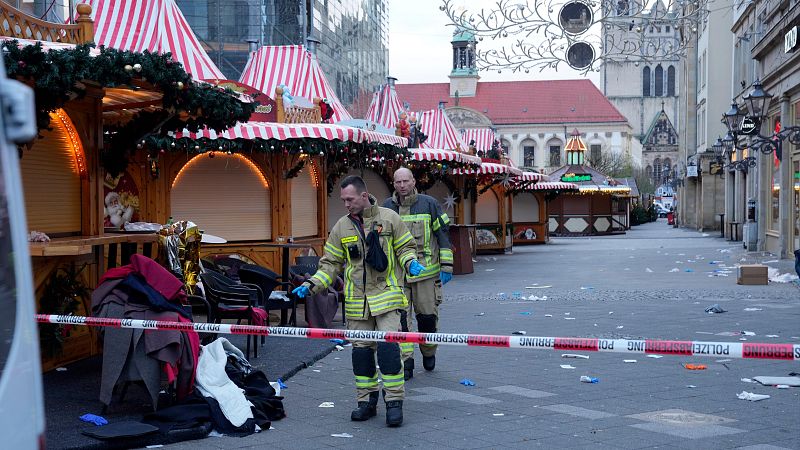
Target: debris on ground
{"type": "Point", "coordinates": [337, 341]}
{"type": "Point", "coordinates": [694, 366]}
{"type": "Point", "coordinates": [548, 315]}
{"type": "Point", "coordinates": [654, 356]}
{"type": "Point", "coordinates": [648, 270]}
{"type": "Point", "coordinates": [91, 418]}
{"type": "Point", "coordinates": [775, 276]}
{"type": "Point", "coordinates": [536, 299]}
{"type": "Point", "coordinates": [585, 379]}
{"type": "Point", "coordinates": [325, 405]}
{"type": "Point", "coordinates": [753, 309]}
{"type": "Point", "coordinates": [538, 287]}
{"type": "Point", "coordinates": [744, 395]}
{"type": "Point", "coordinates": [525, 313]}
{"type": "Point", "coordinates": [775, 381]}
{"type": "Point", "coordinates": [747, 380]}
{"type": "Point", "coordinates": [629, 361]}
{"type": "Point", "coordinates": [342, 435]}
{"type": "Point", "coordinates": [674, 270]}
{"type": "Point", "coordinates": [586, 288]}
{"type": "Point", "coordinates": [715, 309]}
{"type": "Point", "coordinates": [748, 333]}
{"type": "Point", "coordinates": [480, 314]}
{"type": "Point", "coordinates": [574, 355]}
{"type": "Point", "coordinates": [691, 386]}
{"type": "Point", "coordinates": [520, 333]}
{"type": "Point", "coordinates": [467, 382]}
{"type": "Point", "coordinates": [567, 366]}
{"type": "Point", "coordinates": [498, 414]}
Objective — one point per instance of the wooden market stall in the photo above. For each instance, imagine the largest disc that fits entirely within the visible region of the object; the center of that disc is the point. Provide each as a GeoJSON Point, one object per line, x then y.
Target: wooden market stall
{"type": "Point", "coordinates": [530, 213]}
{"type": "Point", "coordinates": [601, 204]}
{"type": "Point", "coordinates": [74, 206]}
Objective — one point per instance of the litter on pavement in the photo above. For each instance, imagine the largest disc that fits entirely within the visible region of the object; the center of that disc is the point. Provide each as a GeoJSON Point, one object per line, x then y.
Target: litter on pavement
{"type": "Point", "coordinates": [480, 314]}
{"type": "Point", "coordinates": [525, 313]}
{"type": "Point", "coordinates": [467, 382]}
{"type": "Point", "coordinates": [489, 270]}
{"type": "Point", "coordinates": [569, 318]}
{"type": "Point", "coordinates": [753, 309]}
{"type": "Point", "coordinates": [498, 414]}
{"type": "Point", "coordinates": [538, 287]}
{"type": "Point", "coordinates": [536, 299]}
{"type": "Point", "coordinates": [748, 333]}
{"type": "Point", "coordinates": [342, 435]}
{"type": "Point", "coordinates": [691, 386]}
{"type": "Point", "coordinates": [520, 333]}
{"type": "Point", "coordinates": [573, 355]}
{"type": "Point", "coordinates": [586, 288]}
{"type": "Point", "coordinates": [339, 348]}
{"type": "Point", "coordinates": [91, 418]}
{"type": "Point", "coordinates": [675, 270]}
{"type": "Point", "coordinates": [585, 379]}
{"type": "Point", "coordinates": [648, 270]}
{"type": "Point", "coordinates": [61, 369]}
{"type": "Point", "coordinates": [694, 366]}
{"type": "Point", "coordinates": [747, 380]}
{"type": "Point", "coordinates": [774, 381]}
{"type": "Point", "coordinates": [655, 356]}
{"type": "Point", "coordinates": [548, 315]}
{"type": "Point", "coordinates": [776, 277]}
{"type": "Point", "coordinates": [567, 366]}
{"type": "Point", "coordinates": [744, 395]}
{"type": "Point", "coordinates": [326, 405]}
{"type": "Point", "coordinates": [619, 327]}
{"type": "Point", "coordinates": [715, 309]}
{"type": "Point", "coordinates": [629, 361]}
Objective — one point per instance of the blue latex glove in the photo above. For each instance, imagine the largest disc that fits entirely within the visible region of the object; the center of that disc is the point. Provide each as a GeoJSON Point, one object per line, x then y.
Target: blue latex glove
{"type": "Point", "coordinates": [445, 277]}
{"type": "Point", "coordinates": [91, 418]}
{"type": "Point", "coordinates": [415, 268]}
{"type": "Point", "coordinates": [301, 291]}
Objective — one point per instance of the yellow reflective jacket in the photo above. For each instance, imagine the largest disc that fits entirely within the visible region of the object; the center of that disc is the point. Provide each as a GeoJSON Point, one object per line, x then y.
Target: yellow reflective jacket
{"type": "Point", "coordinates": [345, 251]}
{"type": "Point", "coordinates": [429, 226]}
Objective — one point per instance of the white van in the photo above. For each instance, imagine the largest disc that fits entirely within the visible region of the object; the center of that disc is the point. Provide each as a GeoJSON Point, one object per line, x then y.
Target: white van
{"type": "Point", "coordinates": [21, 397]}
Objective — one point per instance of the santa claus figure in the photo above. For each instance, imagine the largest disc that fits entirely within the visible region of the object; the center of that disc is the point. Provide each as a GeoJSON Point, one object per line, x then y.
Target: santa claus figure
{"type": "Point", "coordinates": [116, 214]}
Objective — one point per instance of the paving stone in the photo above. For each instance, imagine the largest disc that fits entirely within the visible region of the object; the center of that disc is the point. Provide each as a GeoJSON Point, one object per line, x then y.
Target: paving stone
{"type": "Point", "coordinates": [578, 411]}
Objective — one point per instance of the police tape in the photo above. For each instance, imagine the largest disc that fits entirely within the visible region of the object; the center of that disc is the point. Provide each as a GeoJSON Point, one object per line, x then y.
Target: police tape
{"type": "Point", "coordinates": [750, 350]}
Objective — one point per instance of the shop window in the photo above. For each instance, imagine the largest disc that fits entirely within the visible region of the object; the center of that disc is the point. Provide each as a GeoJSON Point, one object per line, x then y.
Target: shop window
{"type": "Point", "coordinates": [555, 155]}
{"type": "Point", "coordinates": [528, 155]}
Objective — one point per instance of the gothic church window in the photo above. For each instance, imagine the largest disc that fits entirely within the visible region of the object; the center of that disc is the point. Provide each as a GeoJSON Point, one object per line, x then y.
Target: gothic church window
{"type": "Point", "coordinates": [646, 82]}
{"type": "Point", "coordinates": [657, 171]}
{"type": "Point", "coordinates": [659, 82]}
{"type": "Point", "coordinates": [671, 81]}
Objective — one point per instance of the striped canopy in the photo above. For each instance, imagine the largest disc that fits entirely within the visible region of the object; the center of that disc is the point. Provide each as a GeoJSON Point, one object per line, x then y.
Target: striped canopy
{"type": "Point", "coordinates": [532, 176]}
{"type": "Point", "coordinates": [154, 25]}
{"type": "Point", "coordinates": [284, 131]}
{"type": "Point", "coordinates": [385, 108]}
{"type": "Point", "coordinates": [554, 185]}
{"type": "Point", "coordinates": [441, 132]}
{"type": "Point", "coordinates": [489, 168]}
{"type": "Point", "coordinates": [483, 137]}
{"type": "Point", "coordinates": [296, 68]}
{"type": "Point", "coordinates": [423, 154]}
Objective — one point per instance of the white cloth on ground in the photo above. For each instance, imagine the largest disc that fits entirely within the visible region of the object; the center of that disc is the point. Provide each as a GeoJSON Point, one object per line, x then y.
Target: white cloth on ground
{"type": "Point", "coordinates": [212, 381]}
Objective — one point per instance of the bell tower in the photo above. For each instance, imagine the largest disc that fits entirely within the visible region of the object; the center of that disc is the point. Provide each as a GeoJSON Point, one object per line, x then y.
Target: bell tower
{"type": "Point", "coordinates": [464, 76]}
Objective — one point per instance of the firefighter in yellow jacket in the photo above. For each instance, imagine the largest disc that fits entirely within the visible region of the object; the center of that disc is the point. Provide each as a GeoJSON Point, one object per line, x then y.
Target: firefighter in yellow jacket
{"type": "Point", "coordinates": [371, 245]}
{"type": "Point", "coordinates": [429, 226]}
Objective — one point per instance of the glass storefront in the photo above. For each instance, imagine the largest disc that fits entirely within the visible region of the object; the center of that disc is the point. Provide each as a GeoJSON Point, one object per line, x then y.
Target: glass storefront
{"type": "Point", "coordinates": [354, 35]}
{"type": "Point", "coordinates": [796, 201]}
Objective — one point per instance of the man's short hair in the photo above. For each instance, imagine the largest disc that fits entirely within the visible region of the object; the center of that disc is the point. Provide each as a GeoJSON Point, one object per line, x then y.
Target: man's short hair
{"type": "Point", "coordinates": [355, 181]}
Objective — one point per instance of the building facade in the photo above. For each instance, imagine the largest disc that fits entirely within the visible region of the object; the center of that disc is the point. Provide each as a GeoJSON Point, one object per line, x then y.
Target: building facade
{"type": "Point", "coordinates": [532, 119]}
{"type": "Point", "coordinates": [353, 34]}
{"type": "Point", "coordinates": [645, 92]}
{"type": "Point", "coordinates": [765, 37]}
{"type": "Point", "coordinates": [706, 96]}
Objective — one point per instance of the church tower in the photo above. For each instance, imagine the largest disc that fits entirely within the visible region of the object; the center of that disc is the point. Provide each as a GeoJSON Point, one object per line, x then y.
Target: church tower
{"type": "Point", "coordinates": [641, 90]}
{"type": "Point", "coordinates": [464, 76]}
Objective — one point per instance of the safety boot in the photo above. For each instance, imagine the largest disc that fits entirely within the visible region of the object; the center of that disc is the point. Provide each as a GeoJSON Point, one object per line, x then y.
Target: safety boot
{"type": "Point", "coordinates": [429, 362]}
{"type": "Point", "coordinates": [367, 409]}
{"type": "Point", "coordinates": [394, 413]}
{"type": "Point", "coordinates": [408, 369]}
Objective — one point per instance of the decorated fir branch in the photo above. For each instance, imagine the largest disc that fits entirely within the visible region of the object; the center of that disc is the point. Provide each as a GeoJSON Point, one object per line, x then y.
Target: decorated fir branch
{"type": "Point", "coordinates": [63, 293]}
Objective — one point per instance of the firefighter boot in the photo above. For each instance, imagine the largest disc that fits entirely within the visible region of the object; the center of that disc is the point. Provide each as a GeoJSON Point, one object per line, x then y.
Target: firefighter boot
{"type": "Point", "coordinates": [368, 409]}
{"type": "Point", "coordinates": [408, 369]}
{"type": "Point", "coordinates": [429, 362]}
{"type": "Point", "coordinates": [394, 413]}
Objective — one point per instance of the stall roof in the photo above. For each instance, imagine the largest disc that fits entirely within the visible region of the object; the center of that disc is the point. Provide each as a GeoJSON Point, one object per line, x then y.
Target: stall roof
{"type": "Point", "coordinates": [154, 25]}
{"type": "Point", "coordinates": [441, 132]}
{"type": "Point", "coordinates": [488, 168]}
{"type": "Point", "coordinates": [424, 154]}
{"type": "Point", "coordinates": [554, 186]}
{"type": "Point", "coordinates": [296, 68]}
{"type": "Point", "coordinates": [598, 182]}
{"type": "Point", "coordinates": [483, 137]}
{"type": "Point", "coordinates": [284, 131]}
{"type": "Point", "coordinates": [385, 108]}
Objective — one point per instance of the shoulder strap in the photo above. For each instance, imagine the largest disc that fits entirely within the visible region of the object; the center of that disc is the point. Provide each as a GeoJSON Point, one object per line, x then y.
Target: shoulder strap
{"type": "Point", "coordinates": [358, 226]}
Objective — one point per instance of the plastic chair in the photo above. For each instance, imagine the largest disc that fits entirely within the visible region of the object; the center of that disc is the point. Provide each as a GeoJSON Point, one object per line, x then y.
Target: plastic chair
{"type": "Point", "coordinates": [229, 266]}
{"type": "Point", "coordinates": [312, 260]}
{"type": "Point", "coordinates": [229, 300]}
{"type": "Point", "coordinates": [266, 281]}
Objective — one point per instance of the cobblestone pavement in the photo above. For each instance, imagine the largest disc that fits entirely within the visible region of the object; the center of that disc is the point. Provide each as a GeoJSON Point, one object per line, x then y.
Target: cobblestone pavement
{"type": "Point", "coordinates": [654, 282]}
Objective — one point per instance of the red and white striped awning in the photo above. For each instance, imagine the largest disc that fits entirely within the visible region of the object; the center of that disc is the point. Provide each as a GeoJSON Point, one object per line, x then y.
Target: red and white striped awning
{"type": "Point", "coordinates": [554, 185]}
{"type": "Point", "coordinates": [424, 154]}
{"type": "Point", "coordinates": [154, 25]}
{"type": "Point", "coordinates": [296, 68]}
{"type": "Point", "coordinates": [441, 132]}
{"type": "Point", "coordinates": [385, 108]}
{"type": "Point", "coordinates": [284, 131]}
{"type": "Point", "coordinates": [532, 176]}
{"type": "Point", "coordinates": [488, 168]}
{"type": "Point", "coordinates": [483, 137]}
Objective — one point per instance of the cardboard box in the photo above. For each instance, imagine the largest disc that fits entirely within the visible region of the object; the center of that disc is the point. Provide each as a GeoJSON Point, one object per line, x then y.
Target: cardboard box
{"type": "Point", "coordinates": [752, 275]}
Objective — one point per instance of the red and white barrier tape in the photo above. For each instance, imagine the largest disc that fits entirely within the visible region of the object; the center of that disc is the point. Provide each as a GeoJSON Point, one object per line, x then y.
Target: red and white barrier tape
{"type": "Point", "coordinates": [750, 350]}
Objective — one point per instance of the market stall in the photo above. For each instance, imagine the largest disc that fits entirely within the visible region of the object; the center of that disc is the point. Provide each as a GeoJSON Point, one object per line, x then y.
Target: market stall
{"type": "Point", "coordinates": [531, 195]}
{"type": "Point", "coordinates": [92, 106]}
{"type": "Point", "coordinates": [600, 205]}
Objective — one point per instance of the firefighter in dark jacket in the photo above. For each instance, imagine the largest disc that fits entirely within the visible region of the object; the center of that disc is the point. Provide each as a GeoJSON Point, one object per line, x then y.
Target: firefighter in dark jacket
{"type": "Point", "coordinates": [371, 245]}
{"type": "Point", "coordinates": [429, 226]}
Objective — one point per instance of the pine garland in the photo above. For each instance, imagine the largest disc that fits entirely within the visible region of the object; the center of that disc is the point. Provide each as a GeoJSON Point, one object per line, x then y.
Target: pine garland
{"type": "Point", "coordinates": [62, 295]}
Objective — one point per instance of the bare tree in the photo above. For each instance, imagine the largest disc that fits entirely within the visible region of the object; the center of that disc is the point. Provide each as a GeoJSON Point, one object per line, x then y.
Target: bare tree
{"type": "Point", "coordinates": [620, 165]}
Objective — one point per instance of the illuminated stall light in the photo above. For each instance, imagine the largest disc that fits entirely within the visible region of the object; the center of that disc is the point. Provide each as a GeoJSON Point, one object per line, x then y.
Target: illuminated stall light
{"type": "Point", "coordinates": [246, 160]}
{"type": "Point", "coordinates": [74, 139]}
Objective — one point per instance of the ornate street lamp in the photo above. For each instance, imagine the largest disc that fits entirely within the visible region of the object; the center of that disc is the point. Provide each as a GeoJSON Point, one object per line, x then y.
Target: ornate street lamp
{"type": "Point", "coordinates": [757, 101]}
{"type": "Point", "coordinates": [733, 118]}
{"type": "Point", "coordinates": [719, 148]}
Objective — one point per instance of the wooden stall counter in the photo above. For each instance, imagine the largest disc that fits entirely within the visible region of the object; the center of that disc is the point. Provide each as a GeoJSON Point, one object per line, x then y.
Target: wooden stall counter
{"type": "Point", "coordinates": [84, 245]}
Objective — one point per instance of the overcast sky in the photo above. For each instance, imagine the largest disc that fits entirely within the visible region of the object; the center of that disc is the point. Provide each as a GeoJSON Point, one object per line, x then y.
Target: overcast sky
{"type": "Point", "coordinates": [420, 50]}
